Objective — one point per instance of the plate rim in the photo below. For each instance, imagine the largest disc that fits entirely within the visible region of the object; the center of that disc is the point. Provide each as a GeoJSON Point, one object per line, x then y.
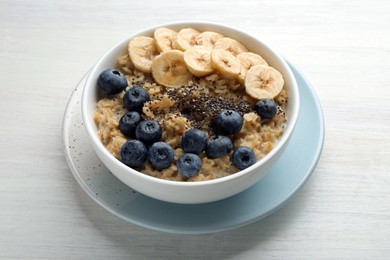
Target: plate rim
{"type": "Point", "coordinates": [317, 154]}
{"type": "Point", "coordinates": [277, 206]}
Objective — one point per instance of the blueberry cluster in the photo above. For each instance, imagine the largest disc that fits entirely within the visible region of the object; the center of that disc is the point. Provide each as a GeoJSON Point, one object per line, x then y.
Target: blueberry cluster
{"type": "Point", "coordinates": [146, 134]}
{"type": "Point", "coordinates": [194, 142]}
{"type": "Point", "coordinates": [145, 144]}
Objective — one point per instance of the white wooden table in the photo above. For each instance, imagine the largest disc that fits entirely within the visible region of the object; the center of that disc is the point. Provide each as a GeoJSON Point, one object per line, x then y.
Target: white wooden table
{"type": "Point", "coordinates": [343, 212]}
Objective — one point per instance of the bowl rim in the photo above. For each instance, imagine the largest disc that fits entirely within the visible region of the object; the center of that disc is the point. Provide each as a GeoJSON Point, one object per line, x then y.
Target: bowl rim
{"type": "Point", "coordinates": [88, 122]}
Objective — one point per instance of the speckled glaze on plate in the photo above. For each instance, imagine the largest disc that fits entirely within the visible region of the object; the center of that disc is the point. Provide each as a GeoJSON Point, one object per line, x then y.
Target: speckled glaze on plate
{"type": "Point", "coordinates": [263, 198]}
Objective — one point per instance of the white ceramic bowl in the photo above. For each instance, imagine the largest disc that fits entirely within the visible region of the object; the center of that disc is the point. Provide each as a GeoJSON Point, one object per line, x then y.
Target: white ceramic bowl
{"type": "Point", "coordinates": [190, 192]}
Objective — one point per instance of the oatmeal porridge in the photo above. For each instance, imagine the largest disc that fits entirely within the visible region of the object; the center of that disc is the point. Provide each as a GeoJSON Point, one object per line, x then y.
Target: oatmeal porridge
{"type": "Point", "coordinates": [192, 78]}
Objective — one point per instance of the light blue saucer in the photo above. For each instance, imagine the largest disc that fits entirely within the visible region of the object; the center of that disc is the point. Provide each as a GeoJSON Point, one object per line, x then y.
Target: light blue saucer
{"type": "Point", "coordinates": [269, 194]}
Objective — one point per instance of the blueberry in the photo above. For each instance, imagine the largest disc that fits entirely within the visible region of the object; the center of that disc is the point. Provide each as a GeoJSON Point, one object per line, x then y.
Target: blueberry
{"type": "Point", "coordinates": [160, 155]}
{"type": "Point", "coordinates": [112, 81]}
{"type": "Point", "coordinates": [218, 146]}
{"type": "Point", "coordinates": [228, 122]}
{"type": "Point", "coordinates": [266, 109]}
{"type": "Point", "coordinates": [134, 154]}
{"type": "Point", "coordinates": [129, 122]}
{"type": "Point", "coordinates": [148, 131]}
{"type": "Point", "coordinates": [188, 165]}
{"type": "Point", "coordinates": [194, 141]}
{"type": "Point", "coordinates": [134, 98]}
{"type": "Point", "coordinates": [243, 157]}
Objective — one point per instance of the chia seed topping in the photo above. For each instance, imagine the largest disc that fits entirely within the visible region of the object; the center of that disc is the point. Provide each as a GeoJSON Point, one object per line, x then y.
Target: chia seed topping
{"type": "Point", "coordinates": [201, 109]}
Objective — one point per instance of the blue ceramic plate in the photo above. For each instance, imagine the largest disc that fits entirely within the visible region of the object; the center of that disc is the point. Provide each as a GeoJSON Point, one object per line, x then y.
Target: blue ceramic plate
{"type": "Point", "coordinates": [269, 194]}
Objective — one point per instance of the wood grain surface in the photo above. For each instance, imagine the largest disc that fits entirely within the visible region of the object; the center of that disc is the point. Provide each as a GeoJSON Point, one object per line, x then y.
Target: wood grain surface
{"type": "Point", "coordinates": [343, 48]}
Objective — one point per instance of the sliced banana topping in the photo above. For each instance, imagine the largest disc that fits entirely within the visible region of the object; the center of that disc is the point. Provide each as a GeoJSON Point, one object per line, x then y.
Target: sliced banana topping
{"type": "Point", "coordinates": [231, 45]}
{"type": "Point", "coordinates": [225, 62]}
{"type": "Point", "coordinates": [174, 58]}
{"type": "Point", "coordinates": [164, 38]}
{"type": "Point", "coordinates": [263, 82]}
{"type": "Point", "coordinates": [185, 39]}
{"type": "Point", "coordinates": [169, 69]}
{"type": "Point", "coordinates": [198, 61]}
{"type": "Point", "coordinates": [248, 60]}
{"type": "Point", "coordinates": [208, 39]}
{"type": "Point", "coordinates": [142, 51]}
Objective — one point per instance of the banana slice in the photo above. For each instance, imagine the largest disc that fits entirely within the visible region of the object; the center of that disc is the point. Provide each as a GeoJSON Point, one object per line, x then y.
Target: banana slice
{"type": "Point", "coordinates": [263, 82]}
{"type": "Point", "coordinates": [142, 51]}
{"type": "Point", "coordinates": [164, 38]}
{"type": "Point", "coordinates": [208, 39]}
{"type": "Point", "coordinates": [169, 69]}
{"type": "Point", "coordinates": [185, 39]}
{"type": "Point", "coordinates": [225, 62]}
{"type": "Point", "coordinates": [248, 60]}
{"type": "Point", "coordinates": [198, 61]}
{"type": "Point", "coordinates": [231, 45]}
